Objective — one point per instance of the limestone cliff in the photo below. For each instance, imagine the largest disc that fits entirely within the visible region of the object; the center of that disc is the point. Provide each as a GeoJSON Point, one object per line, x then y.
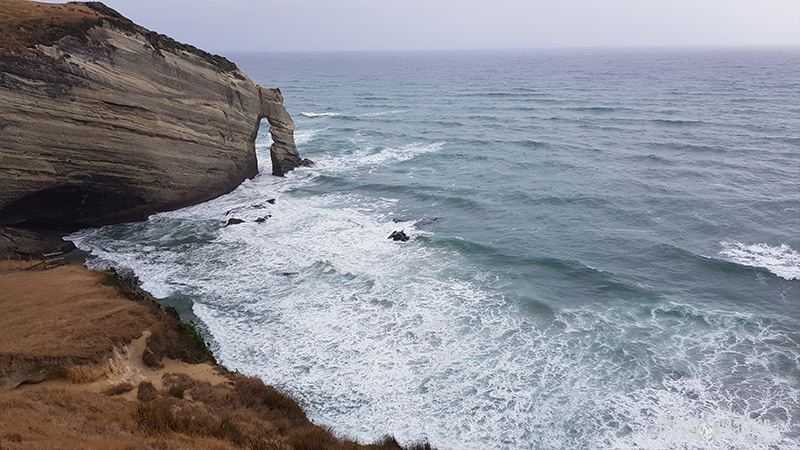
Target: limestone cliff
{"type": "Point", "coordinates": [103, 121]}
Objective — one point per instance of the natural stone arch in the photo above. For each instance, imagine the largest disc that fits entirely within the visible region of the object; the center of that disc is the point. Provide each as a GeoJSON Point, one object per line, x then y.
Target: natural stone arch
{"type": "Point", "coordinates": [283, 152]}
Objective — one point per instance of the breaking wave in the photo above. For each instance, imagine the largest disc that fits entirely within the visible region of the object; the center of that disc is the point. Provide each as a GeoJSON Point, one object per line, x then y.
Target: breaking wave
{"type": "Point", "coordinates": [781, 260]}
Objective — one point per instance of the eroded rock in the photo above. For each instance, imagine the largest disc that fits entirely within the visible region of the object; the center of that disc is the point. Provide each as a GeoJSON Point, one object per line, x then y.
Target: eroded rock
{"type": "Point", "coordinates": [118, 123]}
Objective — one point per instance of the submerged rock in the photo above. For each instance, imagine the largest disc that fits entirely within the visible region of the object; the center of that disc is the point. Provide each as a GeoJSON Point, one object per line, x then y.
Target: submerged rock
{"type": "Point", "coordinates": [234, 221]}
{"type": "Point", "coordinates": [426, 222]}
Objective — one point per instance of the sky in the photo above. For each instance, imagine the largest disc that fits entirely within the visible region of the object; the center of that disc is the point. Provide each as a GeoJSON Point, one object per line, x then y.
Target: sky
{"type": "Point", "coordinates": [366, 25]}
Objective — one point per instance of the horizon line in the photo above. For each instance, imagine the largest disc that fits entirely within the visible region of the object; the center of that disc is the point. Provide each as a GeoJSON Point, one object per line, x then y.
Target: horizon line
{"type": "Point", "coordinates": [551, 48]}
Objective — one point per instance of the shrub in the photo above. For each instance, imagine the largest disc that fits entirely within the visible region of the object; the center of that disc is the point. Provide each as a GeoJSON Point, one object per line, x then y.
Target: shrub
{"type": "Point", "coordinates": [146, 392]}
{"type": "Point", "coordinates": [389, 443]}
{"type": "Point", "coordinates": [228, 430]}
{"type": "Point", "coordinates": [153, 418]}
{"type": "Point", "coordinates": [253, 393]}
{"type": "Point", "coordinates": [163, 415]}
{"type": "Point", "coordinates": [175, 391]}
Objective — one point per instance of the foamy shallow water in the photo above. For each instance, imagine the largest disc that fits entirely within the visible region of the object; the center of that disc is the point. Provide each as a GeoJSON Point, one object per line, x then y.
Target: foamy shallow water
{"type": "Point", "coordinates": [559, 292]}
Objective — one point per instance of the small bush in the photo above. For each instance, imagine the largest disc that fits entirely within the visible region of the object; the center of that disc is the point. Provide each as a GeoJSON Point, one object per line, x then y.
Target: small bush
{"type": "Point", "coordinates": [146, 392]}
{"type": "Point", "coordinates": [196, 349]}
{"type": "Point", "coordinates": [153, 418]}
{"type": "Point", "coordinates": [424, 445]}
{"type": "Point", "coordinates": [150, 359]}
{"type": "Point", "coordinates": [389, 443]}
{"type": "Point", "coordinates": [253, 393]}
{"type": "Point", "coordinates": [166, 414]}
{"type": "Point", "coordinates": [228, 430]}
{"type": "Point", "coordinates": [175, 391]}
{"type": "Point", "coordinates": [105, 10]}
{"type": "Point", "coordinates": [128, 287]}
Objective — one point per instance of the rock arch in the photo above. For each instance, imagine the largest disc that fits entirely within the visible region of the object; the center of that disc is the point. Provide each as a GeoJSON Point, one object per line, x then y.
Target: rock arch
{"type": "Point", "coordinates": [283, 152]}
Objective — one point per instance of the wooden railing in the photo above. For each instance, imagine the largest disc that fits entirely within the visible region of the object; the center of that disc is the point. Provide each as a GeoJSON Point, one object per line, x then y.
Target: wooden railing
{"type": "Point", "coordinates": [52, 259]}
{"type": "Point", "coordinates": [27, 262]}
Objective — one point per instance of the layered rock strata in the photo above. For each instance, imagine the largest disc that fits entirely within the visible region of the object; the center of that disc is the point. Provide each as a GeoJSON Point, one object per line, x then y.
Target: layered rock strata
{"type": "Point", "coordinates": [103, 121]}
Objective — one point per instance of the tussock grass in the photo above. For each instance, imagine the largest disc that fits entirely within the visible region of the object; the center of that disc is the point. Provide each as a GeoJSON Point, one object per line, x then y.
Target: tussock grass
{"type": "Point", "coordinates": [175, 391]}
{"type": "Point", "coordinates": [117, 389]}
{"type": "Point", "coordinates": [254, 394]}
{"type": "Point", "coordinates": [249, 414]}
{"type": "Point", "coordinates": [165, 414]}
{"type": "Point", "coordinates": [146, 392]}
{"type": "Point", "coordinates": [88, 373]}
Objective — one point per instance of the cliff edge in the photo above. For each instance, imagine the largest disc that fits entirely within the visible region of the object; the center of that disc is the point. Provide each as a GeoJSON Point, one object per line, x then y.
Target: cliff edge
{"type": "Point", "coordinates": [89, 362]}
{"type": "Point", "coordinates": [103, 121]}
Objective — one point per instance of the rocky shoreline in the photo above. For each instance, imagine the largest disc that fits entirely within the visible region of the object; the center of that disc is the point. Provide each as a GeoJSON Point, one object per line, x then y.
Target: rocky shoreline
{"type": "Point", "coordinates": [103, 121]}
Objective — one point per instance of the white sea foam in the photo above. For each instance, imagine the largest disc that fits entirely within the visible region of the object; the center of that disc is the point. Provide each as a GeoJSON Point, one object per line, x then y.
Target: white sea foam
{"type": "Point", "coordinates": [301, 137]}
{"type": "Point", "coordinates": [384, 113]}
{"type": "Point", "coordinates": [325, 114]}
{"type": "Point", "coordinates": [375, 336]}
{"type": "Point", "coordinates": [781, 260]}
{"type": "Point", "coordinates": [370, 156]}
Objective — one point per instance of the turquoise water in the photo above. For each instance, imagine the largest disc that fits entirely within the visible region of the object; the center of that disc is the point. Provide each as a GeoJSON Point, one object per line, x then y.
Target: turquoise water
{"type": "Point", "coordinates": [604, 248]}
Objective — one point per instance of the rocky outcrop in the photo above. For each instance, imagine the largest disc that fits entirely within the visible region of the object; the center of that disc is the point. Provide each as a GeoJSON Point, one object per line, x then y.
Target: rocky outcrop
{"type": "Point", "coordinates": [103, 121]}
{"type": "Point", "coordinates": [283, 152]}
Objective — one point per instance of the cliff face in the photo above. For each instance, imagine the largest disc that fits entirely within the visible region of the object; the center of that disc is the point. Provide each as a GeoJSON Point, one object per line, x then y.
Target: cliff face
{"type": "Point", "coordinates": [103, 121]}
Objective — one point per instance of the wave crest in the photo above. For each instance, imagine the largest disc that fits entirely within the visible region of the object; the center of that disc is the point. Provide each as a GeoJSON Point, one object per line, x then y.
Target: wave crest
{"type": "Point", "coordinates": [782, 260]}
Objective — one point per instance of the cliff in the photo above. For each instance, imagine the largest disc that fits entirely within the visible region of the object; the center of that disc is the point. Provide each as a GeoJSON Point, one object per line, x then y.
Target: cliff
{"type": "Point", "coordinates": [87, 362]}
{"type": "Point", "coordinates": [103, 121]}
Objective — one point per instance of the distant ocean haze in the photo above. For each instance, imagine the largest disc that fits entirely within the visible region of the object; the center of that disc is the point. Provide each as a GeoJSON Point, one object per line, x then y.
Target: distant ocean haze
{"type": "Point", "coordinates": [602, 243]}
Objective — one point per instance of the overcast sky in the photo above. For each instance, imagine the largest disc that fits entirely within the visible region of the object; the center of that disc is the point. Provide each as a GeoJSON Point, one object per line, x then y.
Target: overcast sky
{"type": "Point", "coordinates": [320, 25]}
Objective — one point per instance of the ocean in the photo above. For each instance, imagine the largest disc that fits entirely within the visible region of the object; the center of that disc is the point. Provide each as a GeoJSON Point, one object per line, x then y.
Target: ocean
{"type": "Point", "coordinates": [604, 248]}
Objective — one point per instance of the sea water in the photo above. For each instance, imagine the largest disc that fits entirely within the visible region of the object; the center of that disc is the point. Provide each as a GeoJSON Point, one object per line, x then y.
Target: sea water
{"type": "Point", "coordinates": [604, 248]}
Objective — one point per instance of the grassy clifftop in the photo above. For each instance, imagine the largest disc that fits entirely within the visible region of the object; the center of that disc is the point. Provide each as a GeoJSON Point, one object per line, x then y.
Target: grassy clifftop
{"type": "Point", "coordinates": [89, 362]}
{"type": "Point", "coordinates": [25, 24]}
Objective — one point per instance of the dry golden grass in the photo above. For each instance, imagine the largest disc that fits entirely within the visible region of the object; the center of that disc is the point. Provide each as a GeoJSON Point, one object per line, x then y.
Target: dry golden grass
{"type": "Point", "coordinates": [117, 389]}
{"type": "Point", "coordinates": [66, 317]}
{"type": "Point", "coordinates": [63, 323]}
{"type": "Point", "coordinates": [23, 22]}
{"type": "Point", "coordinates": [65, 311]}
